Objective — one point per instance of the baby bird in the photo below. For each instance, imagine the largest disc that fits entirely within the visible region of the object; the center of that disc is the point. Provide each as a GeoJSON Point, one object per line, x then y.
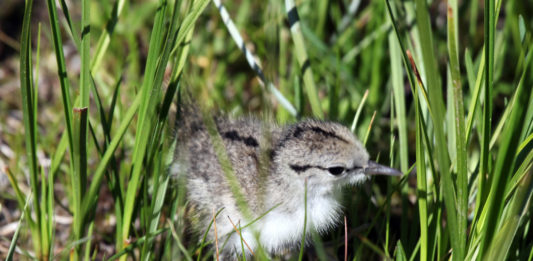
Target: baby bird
{"type": "Point", "coordinates": [273, 166]}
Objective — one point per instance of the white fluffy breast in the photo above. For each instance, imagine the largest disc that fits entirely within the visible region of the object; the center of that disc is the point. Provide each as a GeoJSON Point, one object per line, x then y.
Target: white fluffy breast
{"type": "Point", "coordinates": [279, 229]}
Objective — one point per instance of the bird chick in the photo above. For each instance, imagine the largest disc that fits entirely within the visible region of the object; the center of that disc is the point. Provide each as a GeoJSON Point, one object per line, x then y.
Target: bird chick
{"type": "Point", "coordinates": [274, 167]}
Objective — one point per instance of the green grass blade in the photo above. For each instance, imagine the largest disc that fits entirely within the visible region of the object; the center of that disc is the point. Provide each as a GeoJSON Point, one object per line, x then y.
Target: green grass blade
{"type": "Point", "coordinates": [79, 176]}
{"type": "Point", "coordinates": [72, 29]}
{"type": "Point", "coordinates": [203, 242]}
{"type": "Point", "coordinates": [105, 38]}
{"type": "Point", "coordinates": [13, 244]}
{"type": "Point", "coordinates": [458, 124]}
{"type": "Point", "coordinates": [501, 243]}
{"type": "Point", "coordinates": [399, 101]}
{"type": "Point", "coordinates": [489, 20]}
{"type": "Point", "coordinates": [422, 189]}
{"type": "Point", "coordinates": [474, 102]}
{"type": "Point", "coordinates": [30, 122]}
{"type": "Point", "coordinates": [505, 161]}
{"type": "Point", "coordinates": [436, 105]}
{"type": "Point", "coordinates": [303, 59]}
{"type": "Point", "coordinates": [85, 79]}
{"type": "Point", "coordinates": [237, 38]}
{"type": "Point", "coordinates": [133, 245]}
{"type": "Point", "coordinates": [92, 194]}
{"type": "Point", "coordinates": [358, 112]}
{"type": "Point", "coordinates": [143, 123]}
{"type": "Point", "coordinates": [62, 72]}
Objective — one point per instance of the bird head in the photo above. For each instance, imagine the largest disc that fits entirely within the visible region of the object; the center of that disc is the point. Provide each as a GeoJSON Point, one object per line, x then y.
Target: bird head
{"type": "Point", "coordinates": [325, 153]}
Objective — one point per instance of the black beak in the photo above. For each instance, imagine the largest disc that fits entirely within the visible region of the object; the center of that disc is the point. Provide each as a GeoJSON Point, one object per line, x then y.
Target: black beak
{"type": "Point", "coordinates": [375, 169]}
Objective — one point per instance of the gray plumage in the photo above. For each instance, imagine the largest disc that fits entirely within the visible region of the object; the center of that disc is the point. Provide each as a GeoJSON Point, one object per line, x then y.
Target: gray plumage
{"type": "Point", "coordinates": [272, 165]}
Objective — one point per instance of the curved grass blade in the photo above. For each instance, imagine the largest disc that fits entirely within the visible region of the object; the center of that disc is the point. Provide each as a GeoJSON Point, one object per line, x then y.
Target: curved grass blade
{"type": "Point", "coordinates": [107, 33]}
{"type": "Point", "coordinates": [303, 59]}
{"type": "Point", "coordinates": [461, 182]}
{"type": "Point", "coordinates": [234, 32]}
{"type": "Point", "coordinates": [13, 245]}
{"type": "Point", "coordinates": [505, 161]}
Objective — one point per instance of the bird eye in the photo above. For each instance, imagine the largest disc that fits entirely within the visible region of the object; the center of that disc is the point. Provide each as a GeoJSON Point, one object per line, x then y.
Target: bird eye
{"type": "Point", "coordinates": [336, 170]}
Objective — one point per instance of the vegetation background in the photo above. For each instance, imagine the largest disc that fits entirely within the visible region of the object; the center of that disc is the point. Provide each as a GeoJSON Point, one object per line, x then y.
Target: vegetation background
{"type": "Point", "coordinates": [88, 97]}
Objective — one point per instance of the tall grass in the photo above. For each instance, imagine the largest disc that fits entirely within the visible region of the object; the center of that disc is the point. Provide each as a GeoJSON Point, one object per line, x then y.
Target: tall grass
{"type": "Point", "coordinates": [443, 97]}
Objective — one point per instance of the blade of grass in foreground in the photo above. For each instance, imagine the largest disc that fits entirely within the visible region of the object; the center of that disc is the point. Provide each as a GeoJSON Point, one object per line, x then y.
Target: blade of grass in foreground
{"type": "Point", "coordinates": [105, 37]}
{"type": "Point", "coordinates": [234, 32]}
{"type": "Point", "coordinates": [144, 126]}
{"type": "Point", "coordinates": [154, 162]}
{"type": "Point", "coordinates": [505, 161]}
{"type": "Point", "coordinates": [484, 171]}
{"type": "Point", "coordinates": [92, 195]}
{"type": "Point", "coordinates": [62, 71]}
{"type": "Point", "coordinates": [458, 124]}
{"type": "Point", "coordinates": [79, 176]}
{"type": "Point", "coordinates": [13, 245]}
{"type": "Point", "coordinates": [150, 94]}
{"type": "Point", "coordinates": [501, 244]}
{"type": "Point", "coordinates": [303, 59]}
{"type": "Point", "coordinates": [436, 105]}
{"type": "Point", "coordinates": [30, 124]}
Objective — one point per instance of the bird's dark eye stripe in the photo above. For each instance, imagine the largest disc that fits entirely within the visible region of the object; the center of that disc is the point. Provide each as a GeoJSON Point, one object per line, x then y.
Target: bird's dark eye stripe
{"type": "Point", "coordinates": [299, 168]}
{"type": "Point", "coordinates": [336, 170]}
{"type": "Point", "coordinates": [356, 167]}
{"type": "Point", "coordinates": [333, 170]}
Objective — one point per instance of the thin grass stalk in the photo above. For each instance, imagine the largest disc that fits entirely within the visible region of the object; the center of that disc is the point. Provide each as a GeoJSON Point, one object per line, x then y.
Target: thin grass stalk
{"type": "Point", "coordinates": [50, 205]}
{"type": "Point", "coordinates": [435, 104]}
{"type": "Point", "coordinates": [81, 125]}
{"type": "Point", "coordinates": [391, 163]}
{"type": "Point", "coordinates": [487, 106]}
{"type": "Point", "coordinates": [518, 206]}
{"type": "Point", "coordinates": [156, 207]}
{"type": "Point", "coordinates": [62, 72]}
{"type": "Point", "coordinates": [358, 112]}
{"type": "Point", "coordinates": [92, 194]}
{"type": "Point", "coordinates": [153, 79]}
{"type": "Point", "coordinates": [144, 122]}
{"type": "Point", "coordinates": [28, 100]}
{"type": "Point", "coordinates": [303, 59]}
{"type": "Point", "coordinates": [486, 121]}
{"type": "Point", "coordinates": [85, 79]}
{"type": "Point", "coordinates": [30, 124]}
{"type": "Point", "coordinates": [75, 36]}
{"type": "Point", "coordinates": [153, 210]}
{"type": "Point", "coordinates": [322, 11]}
{"type": "Point", "coordinates": [112, 177]}
{"type": "Point", "coordinates": [474, 102]}
{"type": "Point", "coordinates": [421, 181]}
{"type": "Point", "coordinates": [225, 164]}
{"type": "Point", "coordinates": [515, 180]}
{"type": "Point", "coordinates": [130, 247]}
{"type": "Point", "coordinates": [203, 242]}
{"type": "Point", "coordinates": [45, 215]}
{"type": "Point", "coordinates": [410, 67]}
{"type": "Point", "coordinates": [79, 177]}
{"type": "Point", "coordinates": [14, 239]}
{"type": "Point", "coordinates": [87, 255]}
{"type": "Point", "coordinates": [237, 38]}
{"type": "Point", "coordinates": [105, 38]}
{"type": "Point", "coordinates": [505, 161]}
{"type": "Point", "coordinates": [399, 102]}
{"type": "Point", "coordinates": [35, 92]}
{"type": "Point", "coordinates": [347, 18]}
{"type": "Point", "coordinates": [459, 127]}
